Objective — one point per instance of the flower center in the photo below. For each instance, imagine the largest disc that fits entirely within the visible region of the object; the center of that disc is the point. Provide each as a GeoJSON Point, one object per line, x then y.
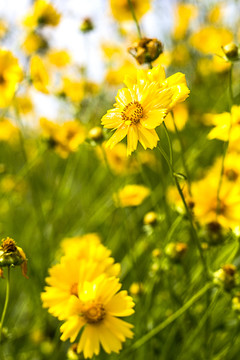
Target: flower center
{"type": "Point", "coordinates": [93, 312]}
{"type": "Point", "coordinates": [132, 112]}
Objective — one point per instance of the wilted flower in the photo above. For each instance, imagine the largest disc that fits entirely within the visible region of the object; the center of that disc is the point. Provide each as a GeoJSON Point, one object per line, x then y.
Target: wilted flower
{"type": "Point", "coordinates": [12, 255]}
{"type": "Point", "coordinates": [146, 50]}
{"type": "Point", "coordinates": [226, 276]}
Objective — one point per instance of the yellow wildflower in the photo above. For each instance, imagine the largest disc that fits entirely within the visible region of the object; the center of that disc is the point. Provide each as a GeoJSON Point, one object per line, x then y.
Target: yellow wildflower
{"type": "Point", "coordinates": [180, 113]}
{"type": "Point", "coordinates": [142, 106]}
{"type": "Point", "coordinates": [97, 307]}
{"type": "Point", "coordinates": [210, 39]}
{"type": "Point", "coordinates": [42, 13]}
{"type": "Point", "coordinates": [121, 11]}
{"type": "Point", "coordinates": [65, 138]}
{"type": "Point", "coordinates": [184, 13]}
{"type": "Point", "coordinates": [39, 74]}
{"type": "Point", "coordinates": [73, 89]}
{"type": "Point", "coordinates": [34, 42]}
{"type": "Point", "coordinates": [10, 76]}
{"type": "Point", "coordinates": [8, 132]}
{"type": "Point", "coordinates": [59, 58]}
{"type": "Point", "coordinates": [24, 104]}
{"type": "Point", "coordinates": [131, 195]}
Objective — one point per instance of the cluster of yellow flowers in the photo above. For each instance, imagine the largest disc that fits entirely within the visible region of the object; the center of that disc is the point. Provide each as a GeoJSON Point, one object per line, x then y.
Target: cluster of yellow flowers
{"type": "Point", "coordinates": [83, 290]}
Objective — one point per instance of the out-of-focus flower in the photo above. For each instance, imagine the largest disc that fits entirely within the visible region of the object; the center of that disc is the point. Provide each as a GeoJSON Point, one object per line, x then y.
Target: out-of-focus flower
{"type": "Point", "coordinates": [86, 25]}
{"type": "Point", "coordinates": [176, 251]}
{"type": "Point", "coordinates": [142, 106]}
{"type": "Point", "coordinates": [184, 13]}
{"type": "Point", "coordinates": [231, 51]}
{"type": "Point", "coordinates": [10, 76]}
{"type": "Point", "coordinates": [12, 255]}
{"type": "Point", "coordinates": [96, 134]}
{"type": "Point", "coordinates": [24, 104]}
{"type": "Point", "coordinates": [227, 276]}
{"type": "Point", "coordinates": [39, 74]}
{"type": "Point", "coordinates": [73, 89]}
{"type": "Point", "coordinates": [43, 13]}
{"type": "Point", "coordinates": [131, 195]}
{"type": "Point", "coordinates": [150, 218]}
{"type": "Point", "coordinates": [236, 302]}
{"type": "Point", "coordinates": [59, 58]}
{"type": "Point", "coordinates": [136, 288]}
{"type": "Point", "coordinates": [210, 39]}
{"type": "Point", "coordinates": [206, 66]}
{"type": "Point", "coordinates": [97, 309]}
{"type": "Point", "coordinates": [180, 113]}
{"type": "Point", "coordinates": [8, 132]}
{"type": "Point", "coordinates": [64, 138]}
{"type": "Point", "coordinates": [215, 14]}
{"type": "Point", "coordinates": [114, 74]}
{"type": "Point", "coordinates": [180, 55]}
{"type": "Point", "coordinates": [227, 127]}
{"type": "Point", "coordinates": [3, 28]}
{"type": "Point", "coordinates": [146, 50]}
{"type": "Point", "coordinates": [34, 42]}
{"type": "Point", "coordinates": [121, 11]}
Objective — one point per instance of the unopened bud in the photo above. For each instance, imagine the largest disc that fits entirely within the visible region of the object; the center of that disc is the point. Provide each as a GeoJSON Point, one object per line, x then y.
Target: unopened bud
{"type": "Point", "coordinates": [86, 25]}
{"type": "Point", "coordinates": [72, 352]}
{"type": "Point", "coordinates": [231, 51]}
{"type": "Point", "coordinates": [226, 276]}
{"type": "Point", "coordinates": [146, 50]}
{"type": "Point", "coordinates": [176, 251]}
{"type": "Point", "coordinates": [96, 133]}
{"type": "Point", "coordinates": [150, 218]}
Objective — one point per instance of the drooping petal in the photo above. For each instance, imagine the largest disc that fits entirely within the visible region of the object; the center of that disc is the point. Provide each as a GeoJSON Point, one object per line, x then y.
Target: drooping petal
{"type": "Point", "coordinates": [119, 134]}
{"type": "Point", "coordinates": [153, 118]}
{"type": "Point", "coordinates": [132, 139]}
{"type": "Point", "coordinates": [147, 137]}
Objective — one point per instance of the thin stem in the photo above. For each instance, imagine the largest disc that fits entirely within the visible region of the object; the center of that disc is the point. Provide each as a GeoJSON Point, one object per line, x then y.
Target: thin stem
{"type": "Point", "coordinates": [130, 4]}
{"type": "Point", "coordinates": [170, 319]}
{"type": "Point", "coordinates": [182, 155]}
{"type": "Point", "coordinates": [6, 303]}
{"type": "Point", "coordinates": [169, 143]}
{"type": "Point", "coordinates": [231, 99]}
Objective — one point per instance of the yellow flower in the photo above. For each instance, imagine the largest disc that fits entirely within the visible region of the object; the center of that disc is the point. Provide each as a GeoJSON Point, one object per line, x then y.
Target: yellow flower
{"type": "Point", "coordinates": [59, 58]}
{"type": "Point", "coordinates": [3, 28]}
{"type": "Point", "coordinates": [8, 132]}
{"type": "Point", "coordinates": [39, 74]}
{"type": "Point", "coordinates": [85, 259]}
{"type": "Point", "coordinates": [142, 106]}
{"type": "Point", "coordinates": [227, 127]}
{"type": "Point", "coordinates": [180, 113]}
{"type": "Point", "coordinates": [65, 138]}
{"type": "Point", "coordinates": [73, 89]}
{"type": "Point", "coordinates": [184, 13]}
{"type": "Point", "coordinates": [131, 195]}
{"type": "Point", "coordinates": [24, 104]}
{"type": "Point", "coordinates": [34, 42]}
{"type": "Point", "coordinates": [210, 39]}
{"type": "Point", "coordinates": [10, 76]}
{"type": "Point", "coordinates": [42, 13]}
{"type": "Point", "coordinates": [97, 309]}
{"type": "Point", "coordinates": [121, 11]}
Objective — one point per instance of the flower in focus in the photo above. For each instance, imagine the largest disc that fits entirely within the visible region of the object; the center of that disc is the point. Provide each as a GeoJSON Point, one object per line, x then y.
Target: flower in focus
{"type": "Point", "coordinates": [65, 138]}
{"type": "Point", "coordinates": [97, 308]}
{"type": "Point", "coordinates": [12, 255]}
{"type": "Point", "coordinates": [10, 76]}
{"type": "Point", "coordinates": [142, 106]}
{"type": "Point", "coordinates": [131, 195]}
{"type": "Point", "coordinates": [121, 11]}
{"type": "Point", "coordinates": [184, 13]}
{"type": "Point", "coordinates": [39, 74]}
{"type": "Point", "coordinates": [42, 13]}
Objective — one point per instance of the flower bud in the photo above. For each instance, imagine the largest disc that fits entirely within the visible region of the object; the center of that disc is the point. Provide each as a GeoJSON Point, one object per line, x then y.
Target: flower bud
{"type": "Point", "coordinates": [213, 233]}
{"type": "Point", "coordinates": [86, 25]}
{"type": "Point", "coordinates": [176, 251]}
{"type": "Point", "coordinates": [226, 276]}
{"type": "Point", "coordinates": [150, 218]}
{"type": "Point", "coordinates": [96, 133]}
{"type": "Point", "coordinates": [236, 302]}
{"type": "Point", "coordinates": [136, 288]}
{"type": "Point", "coordinates": [231, 51]}
{"type": "Point", "coordinates": [12, 255]}
{"type": "Point", "coordinates": [146, 50]}
{"type": "Point", "coordinates": [72, 352]}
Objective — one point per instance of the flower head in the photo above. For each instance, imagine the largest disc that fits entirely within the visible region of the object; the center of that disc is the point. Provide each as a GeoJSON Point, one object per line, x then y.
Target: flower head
{"type": "Point", "coordinates": [131, 195]}
{"type": "Point", "coordinates": [97, 308]}
{"type": "Point", "coordinates": [39, 74]}
{"type": "Point", "coordinates": [142, 106]}
{"type": "Point", "coordinates": [121, 11]}
{"type": "Point", "coordinates": [12, 255]}
{"type": "Point", "coordinates": [42, 13]}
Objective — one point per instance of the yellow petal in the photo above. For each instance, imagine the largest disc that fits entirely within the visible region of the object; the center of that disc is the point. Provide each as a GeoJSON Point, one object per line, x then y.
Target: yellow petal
{"type": "Point", "coordinates": [132, 139]}
{"type": "Point", "coordinates": [119, 134]}
{"type": "Point", "coordinates": [153, 118]}
{"type": "Point", "coordinates": [112, 119]}
{"type": "Point", "coordinates": [148, 138]}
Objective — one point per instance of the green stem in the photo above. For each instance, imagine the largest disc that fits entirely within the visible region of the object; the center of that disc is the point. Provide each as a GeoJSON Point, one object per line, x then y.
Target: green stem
{"type": "Point", "coordinates": [169, 144]}
{"type": "Point", "coordinates": [6, 303]}
{"type": "Point", "coordinates": [130, 4]}
{"type": "Point", "coordinates": [170, 319]}
{"type": "Point", "coordinates": [182, 156]}
{"type": "Point", "coordinates": [231, 98]}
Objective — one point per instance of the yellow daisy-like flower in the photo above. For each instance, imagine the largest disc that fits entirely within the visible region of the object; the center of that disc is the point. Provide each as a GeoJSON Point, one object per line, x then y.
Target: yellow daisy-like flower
{"type": "Point", "coordinates": [59, 58]}
{"type": "Point", "coordinates": [121, 11]}
{"type": "Point", "coordinates": [142, 106]}
{"type": "Point", "coordinates": [97, 308]}
{"type": "Point", "coordinates": [184, 13]}
{"type": "Point", "coordinates": [131, 195]}
{"type": "Point", "coordinates": [43, 13]}
{"type": "Point", "coordinates": [10, 76]}
{"type": "Point", "coordinates": [39, 74]}
{"type": "Point", "coordinates": [8, 132]}
{"type": "Point", "coordinates": [34, 42]}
